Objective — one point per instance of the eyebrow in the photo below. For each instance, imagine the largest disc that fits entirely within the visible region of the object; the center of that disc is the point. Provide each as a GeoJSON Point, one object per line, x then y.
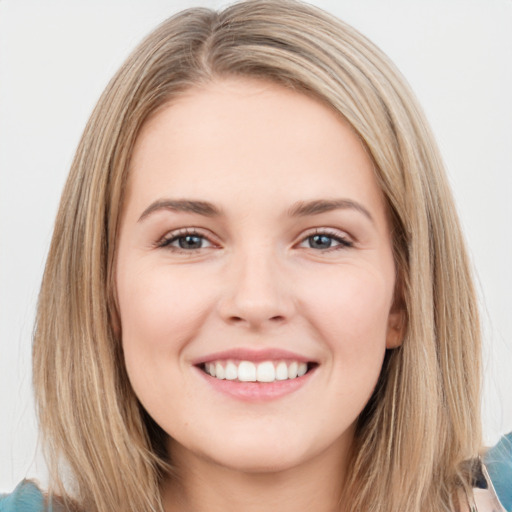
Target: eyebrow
{"type": "Point", "coordinates": [299, 209]}
{"type": "Point", "coordinates": [182, 205]}
{"type": "Point", "coordinates": [318, 206]}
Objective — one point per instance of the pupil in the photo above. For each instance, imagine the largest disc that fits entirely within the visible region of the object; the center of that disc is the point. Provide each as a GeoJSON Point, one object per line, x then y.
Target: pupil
{"type": "Point", "coordinates": [190, 242]}
{"type": "Point", "coordinates": [320, 241]}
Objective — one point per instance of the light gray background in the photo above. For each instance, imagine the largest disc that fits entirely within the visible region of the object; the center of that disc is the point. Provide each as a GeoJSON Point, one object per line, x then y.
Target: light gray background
{"type": "Point", "coordinates": [57, 56]}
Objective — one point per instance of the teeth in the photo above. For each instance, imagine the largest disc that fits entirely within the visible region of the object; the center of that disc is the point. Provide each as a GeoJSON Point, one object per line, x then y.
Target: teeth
{"type": "Point", "coordinates": [292, 370]}
{"type": "Point", "coordinates": [219, 371]}
{"type": "Point", "coordinates": [281, 371]}
{"type": "Point", "coordinates": [247, 371]}
{"type": "Point", "coordinates": [266, 372]}
{"type": "Point", "coordinates": [231, 371]}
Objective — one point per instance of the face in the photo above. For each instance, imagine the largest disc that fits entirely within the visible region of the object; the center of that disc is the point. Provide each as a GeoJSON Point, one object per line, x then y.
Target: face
{"type": "Point", "coordinates": [255, 276]}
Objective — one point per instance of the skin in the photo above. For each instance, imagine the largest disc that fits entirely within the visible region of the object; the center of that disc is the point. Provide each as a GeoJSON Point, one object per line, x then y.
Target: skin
{"type": "Point", "coordinates": [256, 280]}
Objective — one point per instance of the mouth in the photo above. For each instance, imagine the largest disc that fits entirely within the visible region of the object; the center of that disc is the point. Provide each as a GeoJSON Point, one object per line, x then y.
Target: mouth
{"type": "Point", "coordinates": [268, 371]}
{"type": "Point", "coordinates": [256, 375]}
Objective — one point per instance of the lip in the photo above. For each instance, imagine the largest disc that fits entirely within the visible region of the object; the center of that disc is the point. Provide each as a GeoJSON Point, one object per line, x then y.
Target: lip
{"type": "Point", "coordinates": [256, 391]}
{"type": "Point", "coordinates": [254, 355]}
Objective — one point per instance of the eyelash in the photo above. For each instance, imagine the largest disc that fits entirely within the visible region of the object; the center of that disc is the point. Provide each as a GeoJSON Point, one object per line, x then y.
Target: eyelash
{"type": "Point", "coordinates": [344, 242]}
{"type": "Point", "coordinates": [165, 242]}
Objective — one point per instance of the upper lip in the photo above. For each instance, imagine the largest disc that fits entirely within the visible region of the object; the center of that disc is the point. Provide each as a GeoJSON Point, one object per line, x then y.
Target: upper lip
{"type": "Point", "coordinates": [255, 355]}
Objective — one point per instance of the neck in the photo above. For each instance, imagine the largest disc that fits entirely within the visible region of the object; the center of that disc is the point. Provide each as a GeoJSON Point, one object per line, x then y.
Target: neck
{"type": "Point", "coordinates": [205, 486]}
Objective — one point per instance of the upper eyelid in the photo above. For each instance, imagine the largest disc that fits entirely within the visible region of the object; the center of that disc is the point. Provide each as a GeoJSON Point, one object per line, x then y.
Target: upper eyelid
{"type": "Point", "coordinates": [333, 232]}
{"type": "Point", "coordinates": [322, 230]}
{"type": "Point", "coordinates": [177, 233]}
{"type": "Point", "coordinates": [342, 240]}
{"type": "Point", "coordinates": [188, 231]}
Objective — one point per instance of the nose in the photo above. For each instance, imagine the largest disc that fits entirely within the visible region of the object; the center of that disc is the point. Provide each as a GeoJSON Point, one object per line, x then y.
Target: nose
{"type": "Point", "coordinates": [256, 292]}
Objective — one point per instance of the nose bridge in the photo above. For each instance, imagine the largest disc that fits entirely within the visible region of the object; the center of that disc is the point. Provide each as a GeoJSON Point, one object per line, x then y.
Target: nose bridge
{"type": "Point", "coordinates": [256, 291]}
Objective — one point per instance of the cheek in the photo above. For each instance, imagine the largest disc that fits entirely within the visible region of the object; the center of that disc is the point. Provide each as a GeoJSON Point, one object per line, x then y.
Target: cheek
{"type": "Point", "coordinates": [350, 308]}
{"type": "Point", "coordinates": [159, 311]}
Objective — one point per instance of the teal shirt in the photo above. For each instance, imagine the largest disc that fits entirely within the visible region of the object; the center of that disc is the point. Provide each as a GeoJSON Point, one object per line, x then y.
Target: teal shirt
{"type": "Point", "coordinates": [498, 461]}
{"type": "Point", "coordinates": [26, 498]}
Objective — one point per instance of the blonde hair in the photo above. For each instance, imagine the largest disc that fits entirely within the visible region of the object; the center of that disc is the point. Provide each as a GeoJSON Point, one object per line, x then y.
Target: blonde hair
{"type": "Point", "coordinates": [423, 419]}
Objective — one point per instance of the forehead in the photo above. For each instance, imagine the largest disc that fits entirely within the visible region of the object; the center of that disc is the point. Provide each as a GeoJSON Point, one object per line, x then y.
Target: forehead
{"type": "Point", "coordinates": [239, 137]}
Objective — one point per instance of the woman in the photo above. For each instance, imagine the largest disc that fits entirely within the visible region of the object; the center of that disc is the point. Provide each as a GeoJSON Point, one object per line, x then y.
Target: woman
{"type": "Point", "coordinates": [257, 285]}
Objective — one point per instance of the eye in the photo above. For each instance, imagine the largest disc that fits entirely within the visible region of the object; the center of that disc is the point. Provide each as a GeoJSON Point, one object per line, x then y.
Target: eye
{"type": "Point", "coordinates": [326, 241]}
{"type": "Point", "coordinates": [185, 240]}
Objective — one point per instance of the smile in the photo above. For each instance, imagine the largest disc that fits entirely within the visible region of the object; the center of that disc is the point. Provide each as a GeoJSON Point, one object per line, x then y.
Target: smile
{"type": "Point", "coordinates": [256, 375]}
{"type": "Point", "coordinates": [248, 371]}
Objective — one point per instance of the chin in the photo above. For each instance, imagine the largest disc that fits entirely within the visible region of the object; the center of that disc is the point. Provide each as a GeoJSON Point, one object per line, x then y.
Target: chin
{"type": "Point", "coordinates": [257, 460]}
{"type": "Point", "coordinates": [246, 450]}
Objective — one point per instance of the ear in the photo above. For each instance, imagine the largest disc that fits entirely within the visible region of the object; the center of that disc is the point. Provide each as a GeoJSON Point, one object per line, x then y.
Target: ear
{"type": "Point", "coordinates": [396, 327]}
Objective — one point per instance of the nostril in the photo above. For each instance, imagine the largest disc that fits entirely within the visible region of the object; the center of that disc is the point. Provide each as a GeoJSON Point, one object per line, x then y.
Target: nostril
{"type": "Point", "coordinates": [273, 319]}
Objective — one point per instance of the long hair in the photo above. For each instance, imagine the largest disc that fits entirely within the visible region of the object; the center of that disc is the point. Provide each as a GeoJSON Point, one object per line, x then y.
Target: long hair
{"type": "Point", "coordinates": [423, 419]}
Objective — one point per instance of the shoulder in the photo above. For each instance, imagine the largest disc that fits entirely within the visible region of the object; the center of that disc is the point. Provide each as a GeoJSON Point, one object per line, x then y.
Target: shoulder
{"type": "Point", "coordinates": [498, 461]}
{"type": "Point", "coordinates": [492, 480]}
{"type": "Point", "coordinates": [27, 497]}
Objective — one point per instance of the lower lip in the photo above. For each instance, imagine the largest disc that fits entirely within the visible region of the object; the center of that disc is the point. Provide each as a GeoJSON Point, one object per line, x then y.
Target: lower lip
{"type": "Point", "coordinates": [257, 391]}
